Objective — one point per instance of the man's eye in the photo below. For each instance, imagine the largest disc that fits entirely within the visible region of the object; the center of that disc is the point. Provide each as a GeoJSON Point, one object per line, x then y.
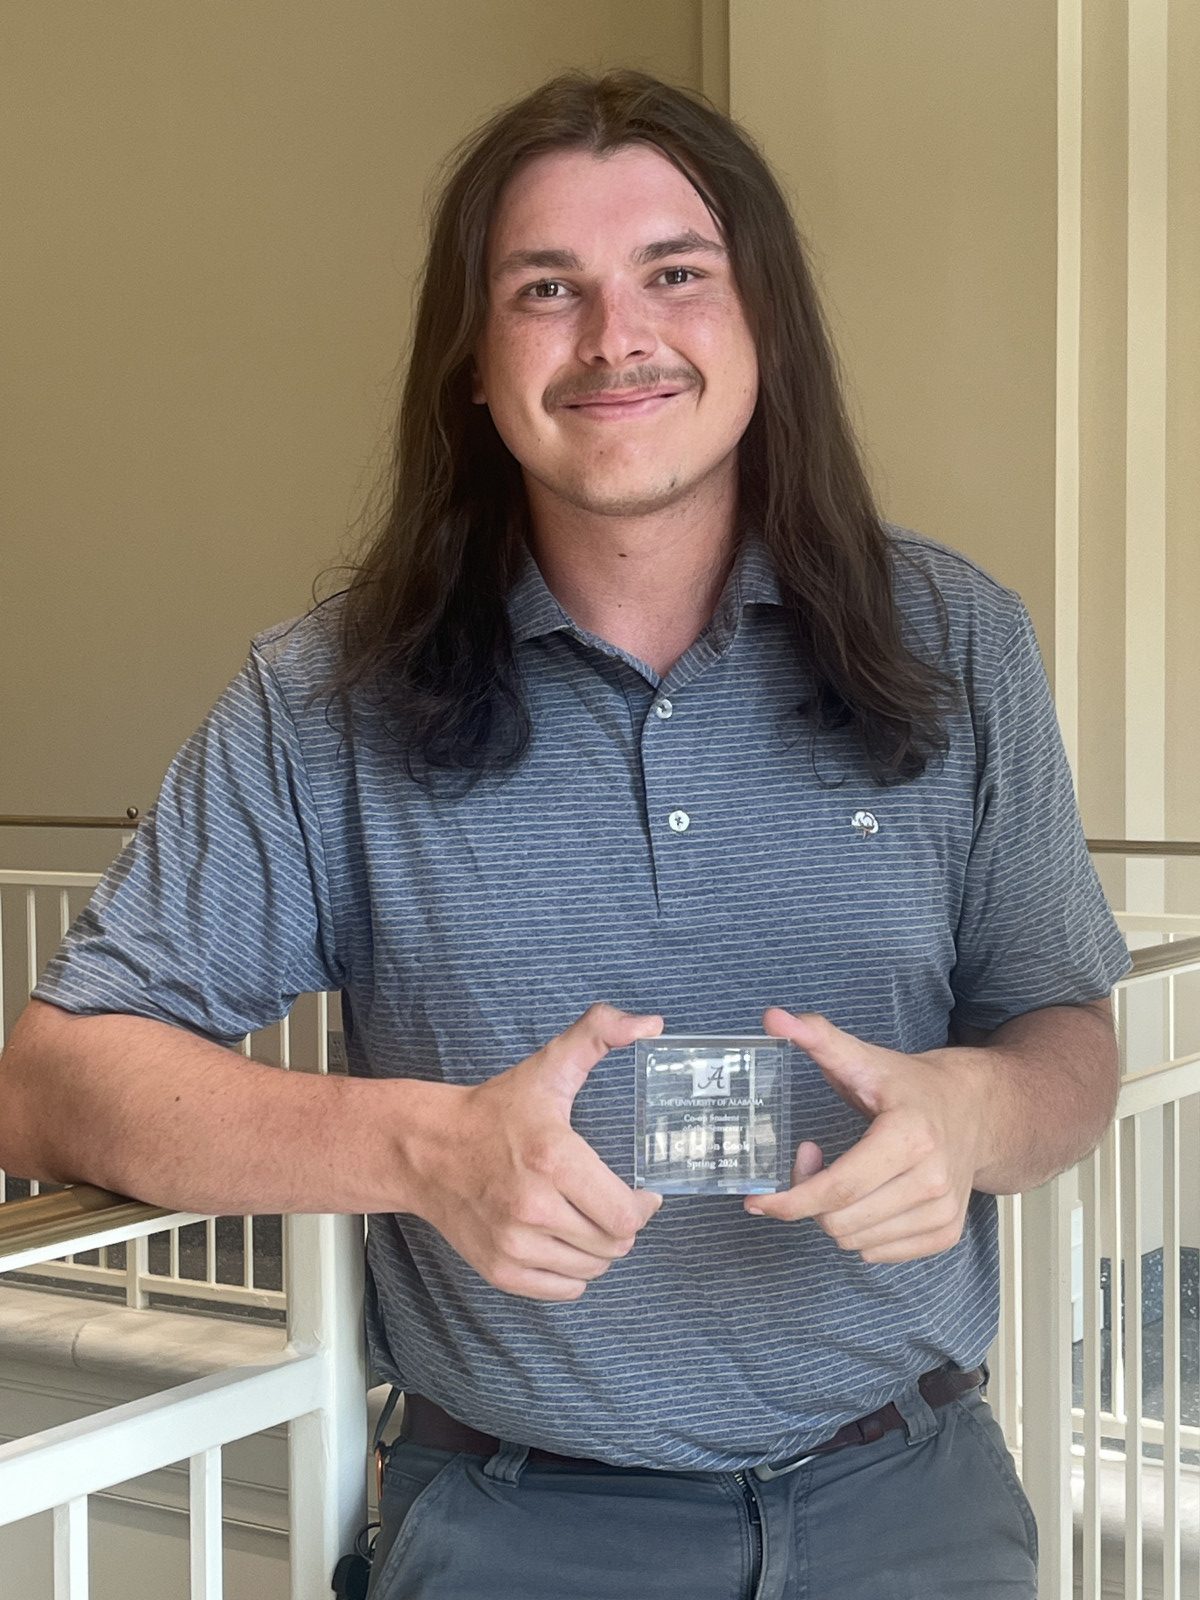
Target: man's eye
{"type": "Point", "coordinates": [545, 289]}
{"type": "Point", "coordinates": [680, 275]}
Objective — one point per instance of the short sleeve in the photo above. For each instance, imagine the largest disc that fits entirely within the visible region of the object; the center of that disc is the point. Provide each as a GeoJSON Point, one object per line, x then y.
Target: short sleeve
{"type": "Point", "coordinates": [216, 916]}
{"type": "Point", "coordinates": [1035, 929]}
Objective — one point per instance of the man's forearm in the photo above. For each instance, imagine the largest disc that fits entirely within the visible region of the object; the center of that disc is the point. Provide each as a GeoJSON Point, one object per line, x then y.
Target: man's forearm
{"type": "Point", "coordinates": [1048, 1085]}
{"type": "Point", "coordinates": [155, 1112]}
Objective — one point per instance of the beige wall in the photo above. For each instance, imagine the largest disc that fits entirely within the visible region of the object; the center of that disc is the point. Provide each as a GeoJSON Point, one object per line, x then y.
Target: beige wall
{"type": "Point", "coordinates": [218, 219]}
{"type": "Point", "coordinates": [213, 221]}
{"type": "Point", "coordinates": [917, 141]}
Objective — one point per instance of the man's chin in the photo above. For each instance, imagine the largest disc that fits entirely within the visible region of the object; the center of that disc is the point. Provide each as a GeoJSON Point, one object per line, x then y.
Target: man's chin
{"type": "Point", "coordinates": [626, 499]}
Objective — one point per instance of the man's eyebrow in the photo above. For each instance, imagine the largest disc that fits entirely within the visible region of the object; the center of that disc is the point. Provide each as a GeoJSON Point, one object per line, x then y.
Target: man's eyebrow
{"type": "Point", "coordinates": [523, 260]}
{"type": "Point", "coordinates": [687, 243]}
{"type": "Point", "coordinates": [683, 244]}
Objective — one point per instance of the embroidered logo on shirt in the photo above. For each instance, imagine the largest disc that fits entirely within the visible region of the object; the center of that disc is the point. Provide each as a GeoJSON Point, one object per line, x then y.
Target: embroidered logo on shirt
{"type": "Point", "coordinates": [864, 824]}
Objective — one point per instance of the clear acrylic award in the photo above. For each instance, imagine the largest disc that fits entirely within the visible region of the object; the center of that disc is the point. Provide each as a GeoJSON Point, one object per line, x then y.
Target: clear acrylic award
{"type": "Point", "coordinates": [711, 1114]}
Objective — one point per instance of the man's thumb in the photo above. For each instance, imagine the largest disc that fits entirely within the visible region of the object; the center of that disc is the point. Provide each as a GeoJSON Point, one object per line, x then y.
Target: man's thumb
{"type": "Point", "coordinates": [568, 1059]}
{"type": "Point", "coordinates": [846, 1062]}
{"type": "Point", "coordinates": [809, 1161]}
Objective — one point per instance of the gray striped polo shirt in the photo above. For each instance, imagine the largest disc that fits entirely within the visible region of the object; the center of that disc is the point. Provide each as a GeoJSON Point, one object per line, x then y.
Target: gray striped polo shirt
{"type": "Point", "coordinates": [667, 845]}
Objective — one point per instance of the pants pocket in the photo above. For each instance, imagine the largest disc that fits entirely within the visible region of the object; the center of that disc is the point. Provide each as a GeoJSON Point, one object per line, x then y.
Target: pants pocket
{"type": "Point", "coordinates": [413, 1480]}
{"type": "Point", "coordinates": [982, 1426]}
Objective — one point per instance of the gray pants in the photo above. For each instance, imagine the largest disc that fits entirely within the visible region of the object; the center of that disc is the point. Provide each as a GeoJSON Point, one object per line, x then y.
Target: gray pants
{"type": "Point", "coordinates": [933, 1511]}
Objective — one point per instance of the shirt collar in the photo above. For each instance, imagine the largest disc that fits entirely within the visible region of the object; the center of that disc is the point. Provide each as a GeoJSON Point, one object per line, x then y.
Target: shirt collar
{"type": "Point", "coordinates": [533, 611]}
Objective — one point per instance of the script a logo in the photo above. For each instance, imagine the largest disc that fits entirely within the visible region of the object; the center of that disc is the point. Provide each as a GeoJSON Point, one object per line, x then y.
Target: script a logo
{"type": "Point", "coordinates": [710, 1078]}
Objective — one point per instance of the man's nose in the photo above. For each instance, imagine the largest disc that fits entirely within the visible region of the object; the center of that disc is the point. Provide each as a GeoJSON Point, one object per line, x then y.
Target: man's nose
{"type": "Point", "coordinates": [615, 330]}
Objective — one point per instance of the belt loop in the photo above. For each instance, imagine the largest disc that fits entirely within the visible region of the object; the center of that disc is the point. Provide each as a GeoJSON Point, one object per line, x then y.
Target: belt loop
{"type": "Point", "coordinates": [507, 1465]}
{"type": "Point", "coordinates": [920, 1419]}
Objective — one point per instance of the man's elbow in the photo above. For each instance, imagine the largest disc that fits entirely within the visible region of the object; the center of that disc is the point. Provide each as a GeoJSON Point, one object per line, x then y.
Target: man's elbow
{"type": "Point", "coordinates": [25, 1117]}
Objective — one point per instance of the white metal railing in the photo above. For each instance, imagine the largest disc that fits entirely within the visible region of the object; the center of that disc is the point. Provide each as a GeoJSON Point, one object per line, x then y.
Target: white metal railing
{"type": "Point", "coordinates": [192, 1264]}
{"type": "Point", "coordinates": [1069, 1452]}
{"type": "Point", "coordinates": [317, 1385]}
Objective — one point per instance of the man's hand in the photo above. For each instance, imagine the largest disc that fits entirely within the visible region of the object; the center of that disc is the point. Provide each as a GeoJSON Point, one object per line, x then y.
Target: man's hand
{"type": "Point", "coordinates": [902, 1190]}
{"type": "Point", "coordinates": [517, 1192]}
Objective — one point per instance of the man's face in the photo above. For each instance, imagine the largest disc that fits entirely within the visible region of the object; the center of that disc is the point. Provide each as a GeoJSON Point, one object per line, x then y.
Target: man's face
{"type": "Point", "coordinates": [616, 358]}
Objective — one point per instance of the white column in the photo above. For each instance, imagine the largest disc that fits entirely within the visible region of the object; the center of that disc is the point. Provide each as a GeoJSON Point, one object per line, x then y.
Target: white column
{"type": "Point", "coordinates": [327, 1449]}
{"type": "Point", "coordinates": [1046, 1381]}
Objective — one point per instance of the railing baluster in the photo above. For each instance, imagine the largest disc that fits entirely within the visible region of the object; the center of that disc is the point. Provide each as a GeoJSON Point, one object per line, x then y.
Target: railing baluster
{"type": "Point", "coordinates": [1131, 1253]}
{"type": "Point", "coordinates": [31, 937]}
{"type": "Point", "coordinates": [137, 1270]}
{"type": "Point", "coordinates": [1171, 1545]}
{"type": "Point", "coordinates": [31, 967]}
{"type": "Point", "coordinates": [210, 1250]}
{"type": "Point", "coordinates": [1089, 1190]}
{"type": "Point", "coordinates": [1116, 1343]}
{"type": "Point", "coordinates": [71, 1550]}
{"type": "Point", "coordinates": [248, 1252]}
{"type": "Point", "coordinates": [205, 1519]}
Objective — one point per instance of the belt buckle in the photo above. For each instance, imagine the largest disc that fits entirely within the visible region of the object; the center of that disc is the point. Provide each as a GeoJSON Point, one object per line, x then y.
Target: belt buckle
{"type": "Point", "coordinates": [766, 1472]}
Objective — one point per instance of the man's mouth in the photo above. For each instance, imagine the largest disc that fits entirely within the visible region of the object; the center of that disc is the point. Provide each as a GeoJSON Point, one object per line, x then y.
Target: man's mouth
{"type": "Point", "coordinates": [616, 403]}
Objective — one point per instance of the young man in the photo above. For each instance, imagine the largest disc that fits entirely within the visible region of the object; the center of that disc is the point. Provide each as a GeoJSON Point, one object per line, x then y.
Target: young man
{"type": "Point", "coordinates": [635, 715]}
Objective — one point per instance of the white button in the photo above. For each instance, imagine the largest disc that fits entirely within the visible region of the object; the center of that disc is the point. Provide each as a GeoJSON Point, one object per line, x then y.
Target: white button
{"type": "Point", "coordinates": [664, 709]}
{"type": "Point", "coordinates": [680, 821]}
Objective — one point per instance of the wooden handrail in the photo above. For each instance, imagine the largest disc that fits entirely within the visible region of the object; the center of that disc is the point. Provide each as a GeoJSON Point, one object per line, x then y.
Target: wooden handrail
{"type": "Point", "coordinates": [1163, 957]}
{"type": "Point", "coordinates": [1144, 847]}
{"type": "Point", "coordinates": [54, 1219]}
{"type": "Point", "coordinates": [130, 820]}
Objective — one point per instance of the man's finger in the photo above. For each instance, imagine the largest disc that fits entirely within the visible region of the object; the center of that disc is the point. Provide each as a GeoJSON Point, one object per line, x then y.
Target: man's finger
{"type": "Point", "coordinates": [912, 1248]}
{"type": "Point", "coordinates": [930, 1217]}
{"type": "Point", "coordinates": [595, 1191]}
{"type": "Point", "coordinates": [568, 1058]}
{"type": "Point", "coordinates": [530, 1284]}
{"type": "Point", "coordinates": [542, 1254]}
{"type": "Point", "coordinates": [903, 1196]}
{"type": "Point", "coordinates": [875, 1160]}
{"type": "Point", "coordinates": [857, 1070]}
{"type": "Point", "coordinates": [577, 1229]}
{"type": "Point", "coordinates": [815, 1035]}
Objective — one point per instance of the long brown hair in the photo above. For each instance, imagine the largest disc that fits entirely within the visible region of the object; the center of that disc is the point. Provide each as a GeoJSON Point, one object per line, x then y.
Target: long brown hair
{"type": "Point", "coordinates": [424, 627]}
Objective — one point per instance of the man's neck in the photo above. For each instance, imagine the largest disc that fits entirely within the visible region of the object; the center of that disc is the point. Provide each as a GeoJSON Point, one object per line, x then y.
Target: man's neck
{"type": "Point", "coordinates": [648, 585]}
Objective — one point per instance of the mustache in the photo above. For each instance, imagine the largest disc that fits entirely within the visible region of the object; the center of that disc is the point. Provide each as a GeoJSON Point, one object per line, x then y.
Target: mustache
{"type": "Point", "coordinates": [580, 389]}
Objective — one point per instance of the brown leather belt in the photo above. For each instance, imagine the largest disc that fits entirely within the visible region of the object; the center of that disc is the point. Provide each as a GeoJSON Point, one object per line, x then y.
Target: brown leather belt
{"type": "Point", "coordinates": [427, 1424]}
